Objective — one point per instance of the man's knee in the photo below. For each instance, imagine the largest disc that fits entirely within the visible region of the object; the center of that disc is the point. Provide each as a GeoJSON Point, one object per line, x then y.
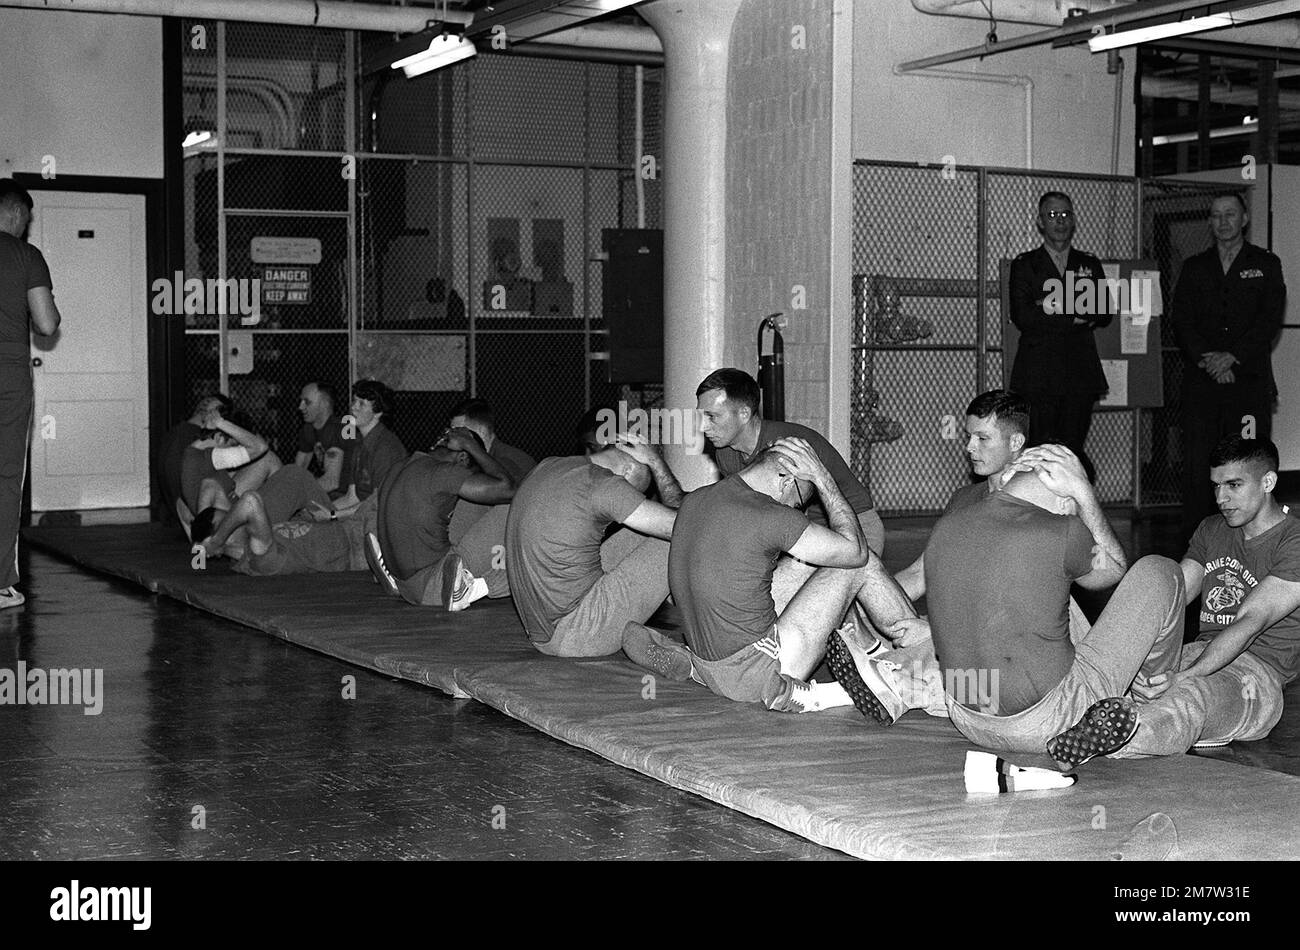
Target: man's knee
{"type": "Point", "coordinates": [1158, 574]}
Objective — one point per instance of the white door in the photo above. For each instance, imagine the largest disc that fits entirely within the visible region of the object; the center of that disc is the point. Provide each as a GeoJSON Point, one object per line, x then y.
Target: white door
{"type": "Point", "coordinates": [90, 434]}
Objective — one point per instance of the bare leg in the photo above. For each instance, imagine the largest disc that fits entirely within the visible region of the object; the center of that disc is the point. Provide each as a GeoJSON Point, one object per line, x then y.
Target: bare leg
{"type": "Point", "coordinates": [254, 475]}
{"type": "Point", "coordinates": [247, 513]}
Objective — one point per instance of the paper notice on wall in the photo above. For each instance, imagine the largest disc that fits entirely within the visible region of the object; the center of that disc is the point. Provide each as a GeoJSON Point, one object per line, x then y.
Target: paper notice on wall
{"type": "Point", "coordinates": [1145, 297]}
{"type": "Point", "coordinates": [1133, 334]}
{"type": "Point", "coordinates": [1116, 381]}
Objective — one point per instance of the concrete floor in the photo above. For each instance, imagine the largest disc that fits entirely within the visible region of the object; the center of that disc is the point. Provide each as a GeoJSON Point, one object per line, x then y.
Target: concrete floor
{"type": "Point", "coordinates": [216, 741]}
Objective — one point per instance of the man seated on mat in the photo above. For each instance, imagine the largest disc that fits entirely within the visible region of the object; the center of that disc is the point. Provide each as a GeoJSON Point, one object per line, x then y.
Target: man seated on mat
{"type": "Point", "coordinates": [171, 454]}
{"type": "Point", "coordinates": [999, 575]}
{"type": "Point", "coordinates": [285, 527]}
{"type": "Point", "coordinates": [324, 443]}
{"type": "Point", "coordinates": [749, 636]}
{"type": "Point", "coordinates": [477, 416]}
{"type": "Point", "coordinates": [997, 423]}
{"type": "Point", "coordinates": [226, 462]}
{"type": "Point", "coordinates": [1245, 564]}
{"type": "Point", "coordinates": [728, 403]}
{"type": "Point", "coordinates": [377, 450]}
{"type": "Point", "coordinates": [574, 594]}
{"type": "Point", "coordinates": [410, 553]}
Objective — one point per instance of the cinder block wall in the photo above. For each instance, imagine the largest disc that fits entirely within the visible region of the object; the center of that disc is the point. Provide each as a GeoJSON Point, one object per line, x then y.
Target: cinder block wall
{"type": "Point", "coordinates": [778, 192]}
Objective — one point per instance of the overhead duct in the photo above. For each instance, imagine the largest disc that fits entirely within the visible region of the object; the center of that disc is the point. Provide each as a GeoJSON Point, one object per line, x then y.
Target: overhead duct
{"type": "Point", "coordinates": [332, 14]}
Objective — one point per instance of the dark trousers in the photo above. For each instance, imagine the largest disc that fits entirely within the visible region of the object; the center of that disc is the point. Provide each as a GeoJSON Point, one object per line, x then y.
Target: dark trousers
{"type": "Point", "coordinates": [1211, 411]}
{"type": "Point", "coordinates": [1062, 419]}
{"type": "Point", "coordinates": [15, 427]}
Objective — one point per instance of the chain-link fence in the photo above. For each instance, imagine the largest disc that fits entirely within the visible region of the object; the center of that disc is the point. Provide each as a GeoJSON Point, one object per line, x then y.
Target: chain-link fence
{"type": "Point", "coordinates": [928, 247]}
{"type": "Point", "coordinates": [438, 233]}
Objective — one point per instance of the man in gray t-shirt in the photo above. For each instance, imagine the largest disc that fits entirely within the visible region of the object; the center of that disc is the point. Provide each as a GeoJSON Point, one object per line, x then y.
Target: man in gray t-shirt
{"type": "Point", "coordinates": [26, 304]}
{"type": "Point", "coordinates": [574, 591]}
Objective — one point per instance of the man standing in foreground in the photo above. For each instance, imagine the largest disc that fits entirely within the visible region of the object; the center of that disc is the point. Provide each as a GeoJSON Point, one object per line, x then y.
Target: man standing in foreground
{"type": "Point", "coordinates": [26, 303]}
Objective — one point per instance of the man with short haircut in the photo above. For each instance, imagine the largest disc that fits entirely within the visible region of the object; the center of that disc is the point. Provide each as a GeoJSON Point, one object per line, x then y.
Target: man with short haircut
{"type": "Point", "coordinates": [728, 402]}
{"type": "Point", "coordinates": [997, 422]}
{"type": "Point", "coordinates": [26, 304]}
{"type": "Point", "coordinates": [746, 642]}
{"type": "Point", "coordinates": [1057, 367]}
{"type": "Point", "coordinates": [1227, 310]}
{"type": "Point", "coordinates": [477, 416]}
{"type": "Point", "coordinates": [1245, 564]}
{"type": "Point", "coordinates": [377, 451]}
{"type": "Point", "coordinates": [999, 575]}
{"type": "Point", "coordinates": [323, 445]}
{"type": "Point", "coordinates": [575, 594]}
{"type": "Point", "coordinates": [411, 554]}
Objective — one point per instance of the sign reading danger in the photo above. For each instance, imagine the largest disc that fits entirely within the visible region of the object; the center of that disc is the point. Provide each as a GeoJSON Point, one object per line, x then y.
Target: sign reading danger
{"type": "Point", "coordinates": [286, 285]}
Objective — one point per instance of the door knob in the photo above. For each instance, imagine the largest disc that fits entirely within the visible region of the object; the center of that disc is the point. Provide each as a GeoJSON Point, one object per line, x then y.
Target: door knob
{"type": "Point", "coordinates": [36, 361]}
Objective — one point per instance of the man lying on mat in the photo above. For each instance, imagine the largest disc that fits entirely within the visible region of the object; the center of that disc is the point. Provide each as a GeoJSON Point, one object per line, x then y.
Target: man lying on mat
{"type": "Point", "coordinates": [756, 628]}
{"type": "Point", "coordinates": [285, 527]}
{"type": "Point", "coordinates": [1245, 564]}
{"type": "Point", "coordinates": [410, 553]}
{"type": "Point", "coordinates": [999, 575]}
{"type": "Point", "coordinates": [574, 593]}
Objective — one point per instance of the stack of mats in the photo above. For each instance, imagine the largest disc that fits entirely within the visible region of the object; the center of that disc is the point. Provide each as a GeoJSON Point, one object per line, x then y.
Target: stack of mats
{"type": "Point", "coordinates": [830, 777]}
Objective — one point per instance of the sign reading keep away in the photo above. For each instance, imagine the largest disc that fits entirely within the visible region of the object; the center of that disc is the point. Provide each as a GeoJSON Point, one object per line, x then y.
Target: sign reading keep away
{"type": "Point", "coordinates": [286, 285]}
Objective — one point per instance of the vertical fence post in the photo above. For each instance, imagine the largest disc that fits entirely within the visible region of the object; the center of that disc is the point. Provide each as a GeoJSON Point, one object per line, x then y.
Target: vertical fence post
{"type": "Point", "coordinates": [981, 265]}
{"type": "Point", "coordinates": [350, 147]}
{"type": "Point", "coordinates": [223, 346]}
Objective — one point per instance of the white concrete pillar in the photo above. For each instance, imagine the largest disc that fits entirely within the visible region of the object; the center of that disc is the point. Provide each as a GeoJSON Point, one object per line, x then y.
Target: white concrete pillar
{"type": "Point", "coordinates": [695, 35]}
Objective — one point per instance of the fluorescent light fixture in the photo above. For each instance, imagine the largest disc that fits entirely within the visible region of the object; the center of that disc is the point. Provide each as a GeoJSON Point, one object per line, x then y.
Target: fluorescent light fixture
{"type": "Point", "coordinates": [1246, 128]}
{"type": "Point", "coordinates": [197, 137]}
{"type": "Point", "coordinates": [1200, 24]}
{"type": "Point", "coordinates": [444, 50]}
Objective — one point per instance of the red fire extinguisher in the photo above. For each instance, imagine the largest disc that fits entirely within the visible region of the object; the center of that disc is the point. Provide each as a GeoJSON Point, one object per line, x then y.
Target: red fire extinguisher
{"type": "Point", "coordinates": [771, 366]}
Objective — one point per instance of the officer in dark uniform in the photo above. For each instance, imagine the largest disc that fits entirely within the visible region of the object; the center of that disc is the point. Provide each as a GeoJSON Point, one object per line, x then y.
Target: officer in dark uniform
{"type": "Point", "coordinates": [1227, 311]}
{"type": "Point", "coordinates": [1058, 298]}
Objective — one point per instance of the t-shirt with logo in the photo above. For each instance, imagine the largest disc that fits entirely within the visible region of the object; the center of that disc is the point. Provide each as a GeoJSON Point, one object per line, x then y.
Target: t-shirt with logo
{"type": "Point", "coordinates": [730, 460]}
{"type": "Point", "coordinates": [1234, 566]}
{"type": "Point", "coordinates": [554, 530]}
{"type": "Point", "coordinates": [319, 441]}
{"type": "Point", "coordinates": [415, 505]}
{"type": "Point", "coordinates": [726, 542]}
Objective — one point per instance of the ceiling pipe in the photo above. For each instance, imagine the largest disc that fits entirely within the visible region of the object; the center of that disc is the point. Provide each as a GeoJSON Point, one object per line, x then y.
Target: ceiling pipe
{"type": "Point", "coordinates": [1035, 12]}
{"type": "Point", "coordinates": [323, 13]}
{"type": "Point", "coordinates": [598, 42]}
{"type": "Point", "coordinates": [1001, 79]}
{"type": "Point", "coordinates": [1279, 33]}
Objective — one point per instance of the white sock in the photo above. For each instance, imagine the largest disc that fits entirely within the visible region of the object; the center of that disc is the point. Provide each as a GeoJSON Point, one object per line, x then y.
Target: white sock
{"type": "Point", "coordinates": [987, 773]}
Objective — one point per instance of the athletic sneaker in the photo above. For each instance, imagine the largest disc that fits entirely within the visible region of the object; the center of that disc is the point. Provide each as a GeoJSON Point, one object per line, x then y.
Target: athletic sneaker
{"type": "Point", "coordinates": [11, 597]}
{"type": "Point", "coordinates": [869, 687]}
{"type": "Point", "coordinates": [460, 588]}
{"type": "Point", "coordinates": [1106, 727]}
{"type": "Point", "coordinates": [649, 648]}
{"type": "Point", "coordinates": [375, 560]}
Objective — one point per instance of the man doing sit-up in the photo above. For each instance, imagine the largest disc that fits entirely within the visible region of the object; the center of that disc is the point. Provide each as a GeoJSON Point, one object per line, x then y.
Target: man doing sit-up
{"type": "Point", "coordinates": [574, 593]}
{"type": "Point", "coordinates": [744, 644]}
{"type": "Point", "coordinates": [411, 554]}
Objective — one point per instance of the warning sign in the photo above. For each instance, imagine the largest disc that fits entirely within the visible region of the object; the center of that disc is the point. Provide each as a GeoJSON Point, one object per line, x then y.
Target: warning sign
{"type": "Point", "coordinates": [286, 285]}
